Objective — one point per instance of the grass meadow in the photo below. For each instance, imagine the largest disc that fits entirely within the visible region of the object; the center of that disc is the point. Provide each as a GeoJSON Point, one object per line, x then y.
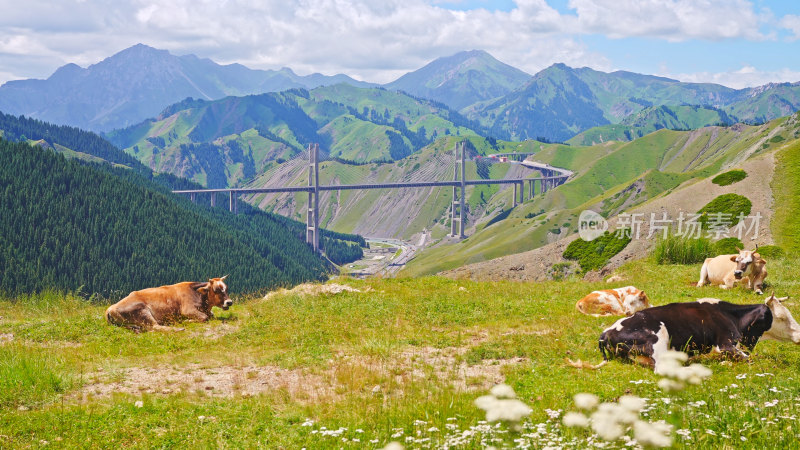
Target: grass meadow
{"type": "Point", "coordinates": [402, 360]}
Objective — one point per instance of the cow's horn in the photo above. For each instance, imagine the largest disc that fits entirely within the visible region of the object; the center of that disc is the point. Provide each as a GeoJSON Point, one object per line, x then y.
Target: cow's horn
{"type": "Point", "coordinates": [226, 276]}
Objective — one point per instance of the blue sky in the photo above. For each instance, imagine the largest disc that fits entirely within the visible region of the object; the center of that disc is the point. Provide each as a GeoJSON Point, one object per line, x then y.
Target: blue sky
{"type": "Point", "coordinates": [733, 42]}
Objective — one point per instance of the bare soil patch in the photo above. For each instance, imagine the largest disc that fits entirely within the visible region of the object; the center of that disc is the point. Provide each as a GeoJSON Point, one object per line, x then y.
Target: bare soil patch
{"type": "Point", "coordinates": [345, 373]}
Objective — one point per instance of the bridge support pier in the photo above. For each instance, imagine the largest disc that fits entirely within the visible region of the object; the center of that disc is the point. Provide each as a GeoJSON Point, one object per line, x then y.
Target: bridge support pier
{"type": "Point", "coordinates": [213, 199]}
{"type": "Point", "coordinates": [231, 202]}
{"type": "Point", "coordinates": [459, 202]}
{"type": "Point", "coordinates": [193, 197]}
{"type": "Point", "coordinates": [312, 213]}
{"type": "Point", "coordinates": [514, 197]}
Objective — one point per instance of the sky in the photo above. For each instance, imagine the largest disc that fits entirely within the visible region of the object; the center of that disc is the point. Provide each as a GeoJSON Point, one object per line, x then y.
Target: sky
{"type": "Point", "coordinates": [737, 43]}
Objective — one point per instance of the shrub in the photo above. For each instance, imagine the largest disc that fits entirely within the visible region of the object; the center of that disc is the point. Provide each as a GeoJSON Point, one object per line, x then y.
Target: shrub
{"type": "Point", "coordinates": [682, 250]}
{"type": "Point", "coordinates": [730, 177]}
{"type": "Point", "coordinates": [727, 207]}
{"type": "Point", "coordinates": [771, 251]}
{"type": "Point", "coordinates": [560, 270]}
{"type": "Point", "coordinates": [592, 255]}
{"type": "Point", "coordinates": [727, 246]}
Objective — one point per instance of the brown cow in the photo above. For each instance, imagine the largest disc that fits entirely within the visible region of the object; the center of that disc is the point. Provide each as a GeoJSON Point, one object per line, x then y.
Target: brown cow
{"type": "Point", "coordinates": [151, 308]}
{"type": "Point", "coordinates": [726, 270]}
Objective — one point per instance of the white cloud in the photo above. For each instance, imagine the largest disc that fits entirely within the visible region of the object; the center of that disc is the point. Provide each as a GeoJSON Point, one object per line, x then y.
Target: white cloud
{"type": "Point", "coordinates": [746, 76]}
{"type": "Point", "coordinates": [791, 23]}
{"type": "Point", "coordinates": [674, 20]}
{"type": "Point", "coordinates": [373, 40]}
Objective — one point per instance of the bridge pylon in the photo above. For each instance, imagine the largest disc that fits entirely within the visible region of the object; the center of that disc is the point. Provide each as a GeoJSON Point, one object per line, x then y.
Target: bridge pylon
{"type": "Point", "coordinates": [312, 213]}
{"type": "Point", "coordinates": [459, 202]}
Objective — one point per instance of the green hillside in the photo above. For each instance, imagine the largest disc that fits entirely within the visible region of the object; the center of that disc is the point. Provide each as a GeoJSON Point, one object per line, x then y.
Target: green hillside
{"type": "Point", "coordinates": [609, 178]}
{"type": "Point", "coordinates": [67, 225]}
{"type": "Point", "coordinates": [648, 120]}
{"type": "Point", "coordinates": [560, 102]}
{"type": "Point", "coordinates": [227, 142]}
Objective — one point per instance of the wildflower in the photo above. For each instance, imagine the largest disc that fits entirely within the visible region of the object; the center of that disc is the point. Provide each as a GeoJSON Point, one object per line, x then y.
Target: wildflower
{"type": "Point", "coordinates": [503, 391]}
{"type": "Point", "coordinates": [585, 401]}
{"type": "Point", "coordinates": [770, 404]}
{"type": "Point", "coordinates": [741, 376]}
{"type": "Point", "coordinates": [632, 403]}
{"type": "Point", "coordinates": [139, 404]}
{"type": "Point", "coordinates": [502, 409]}
{"type": "Point", "coordinates": [711, 432]}
{"type": "Point", "coordinates": [432, 430]}
{"type": "Point", "coordinates": [656, 434]}
{"type": "Point", "coordinates": [394, 446]}
{"type": "Point", "coordinates": [669, 385]}
{"type": "Point", "coordinates": [575, 419]}
{"type": "Point", "coordinates": [307, 423]}
{"type": "Point", "coordinates": [687, 434]}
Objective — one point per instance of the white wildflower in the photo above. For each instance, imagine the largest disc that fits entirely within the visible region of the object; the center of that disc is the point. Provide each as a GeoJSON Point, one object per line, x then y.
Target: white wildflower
{"type": "Point", "coordinates": [585, 401]}
{"type": "Point", "coordinates": [770, 404]}
{"type": "Point", "coordinates": [687, 434]}
{"type": "Point", "coordinates": [606, 426]}
{"type": "Point", "coordinates": [741, 376]}
{"type": "Point", "coordinates": [669, 385]}
{"type": "Point", "coordinates": [575, 419]}
{"type": "Point", "coordinates": [432, 430]}
{"type": "Point", "coordinates": [511, 410]}
{"type": "Point", "coordinates": [307, 423]}
{"type": "Point", "coordinates": [656, 434]}
{"type": "Point", "coordinates": [632, 403]}
{"type": "Point", "coordinates": [139, 404]}
{"type": "Point", "coordinates": [503, 391]}
{"type": "Point", "coordinates": [711, 432]}
{"type": "Point", "coordinates": [394, 446]}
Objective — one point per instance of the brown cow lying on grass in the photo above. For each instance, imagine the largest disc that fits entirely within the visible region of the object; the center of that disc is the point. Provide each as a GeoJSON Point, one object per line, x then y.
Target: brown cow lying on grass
{"type": "Point", "coordinates": [152, 308]}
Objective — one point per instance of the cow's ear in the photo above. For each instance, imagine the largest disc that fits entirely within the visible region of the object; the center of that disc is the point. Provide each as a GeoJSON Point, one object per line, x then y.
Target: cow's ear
{"type": "Point", "coordinates": [733, 257]}
{"type": "Point", "coordinates": [203, 290]}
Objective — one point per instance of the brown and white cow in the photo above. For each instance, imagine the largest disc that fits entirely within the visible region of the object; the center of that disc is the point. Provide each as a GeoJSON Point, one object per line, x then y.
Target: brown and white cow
{"type": "Point", "coordinates": [613, 302]}
{"type": "Point", "coordinates": [152, 308]}
{"type": "Point", "coordinates": [705, 326]}
{"type": "Point", "coordinates": [726, 270]}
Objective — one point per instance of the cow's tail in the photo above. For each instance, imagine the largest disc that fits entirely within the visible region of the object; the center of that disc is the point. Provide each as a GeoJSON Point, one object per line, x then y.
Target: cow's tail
{"type": "Point", "coordinates": [703, 275]}
{"type": "Point", "coordinates": [602, 343]}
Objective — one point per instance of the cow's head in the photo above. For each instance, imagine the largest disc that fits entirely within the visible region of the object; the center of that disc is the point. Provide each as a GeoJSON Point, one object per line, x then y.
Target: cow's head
{"type": "Point", "coordinates": [744, 262]}
{"type": "Point", "coordinates": [216, 291]}
{"type": "Point", "coordinates": [635, 301]}
{"type": "Point", "coordinates": [784, 327]}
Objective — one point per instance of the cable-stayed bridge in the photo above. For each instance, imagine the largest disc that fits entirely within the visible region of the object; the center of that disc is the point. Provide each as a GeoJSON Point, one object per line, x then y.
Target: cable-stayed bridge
{"type": "Point", "coordinates": [424, 177]}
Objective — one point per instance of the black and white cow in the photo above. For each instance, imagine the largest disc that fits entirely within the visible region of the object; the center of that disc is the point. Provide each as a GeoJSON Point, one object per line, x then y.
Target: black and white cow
{"type": "Point", "coordinates": [707, 325]}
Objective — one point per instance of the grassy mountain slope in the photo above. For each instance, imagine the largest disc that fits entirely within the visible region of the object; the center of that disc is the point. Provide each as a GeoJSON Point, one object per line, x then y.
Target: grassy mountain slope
{"type": "Point", "coordinates": [290, 370]}
{"type": "Point", "coordinates": [227, 142]}
{"type": "Point", "coordinates": [560, 102]}
{"type": "Point", "coordinates": [621, 175]}
{"type": "Point", "coordinates": [69, 225]}
{"type": "Point", "coordinates": [650, 119]}
{"type": "Point", "coordinates": [461, 79]}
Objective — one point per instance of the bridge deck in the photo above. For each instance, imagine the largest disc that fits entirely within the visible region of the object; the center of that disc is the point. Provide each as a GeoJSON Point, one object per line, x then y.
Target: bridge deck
{"type": "Point", "coordinates": [342, 187]}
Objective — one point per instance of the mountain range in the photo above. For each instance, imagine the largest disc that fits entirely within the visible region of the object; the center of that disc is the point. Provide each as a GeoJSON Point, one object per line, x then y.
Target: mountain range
{"type": "Point", "coordinates": [138, 83]}
{"type": "Point", "coordinates": [555, 104]}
